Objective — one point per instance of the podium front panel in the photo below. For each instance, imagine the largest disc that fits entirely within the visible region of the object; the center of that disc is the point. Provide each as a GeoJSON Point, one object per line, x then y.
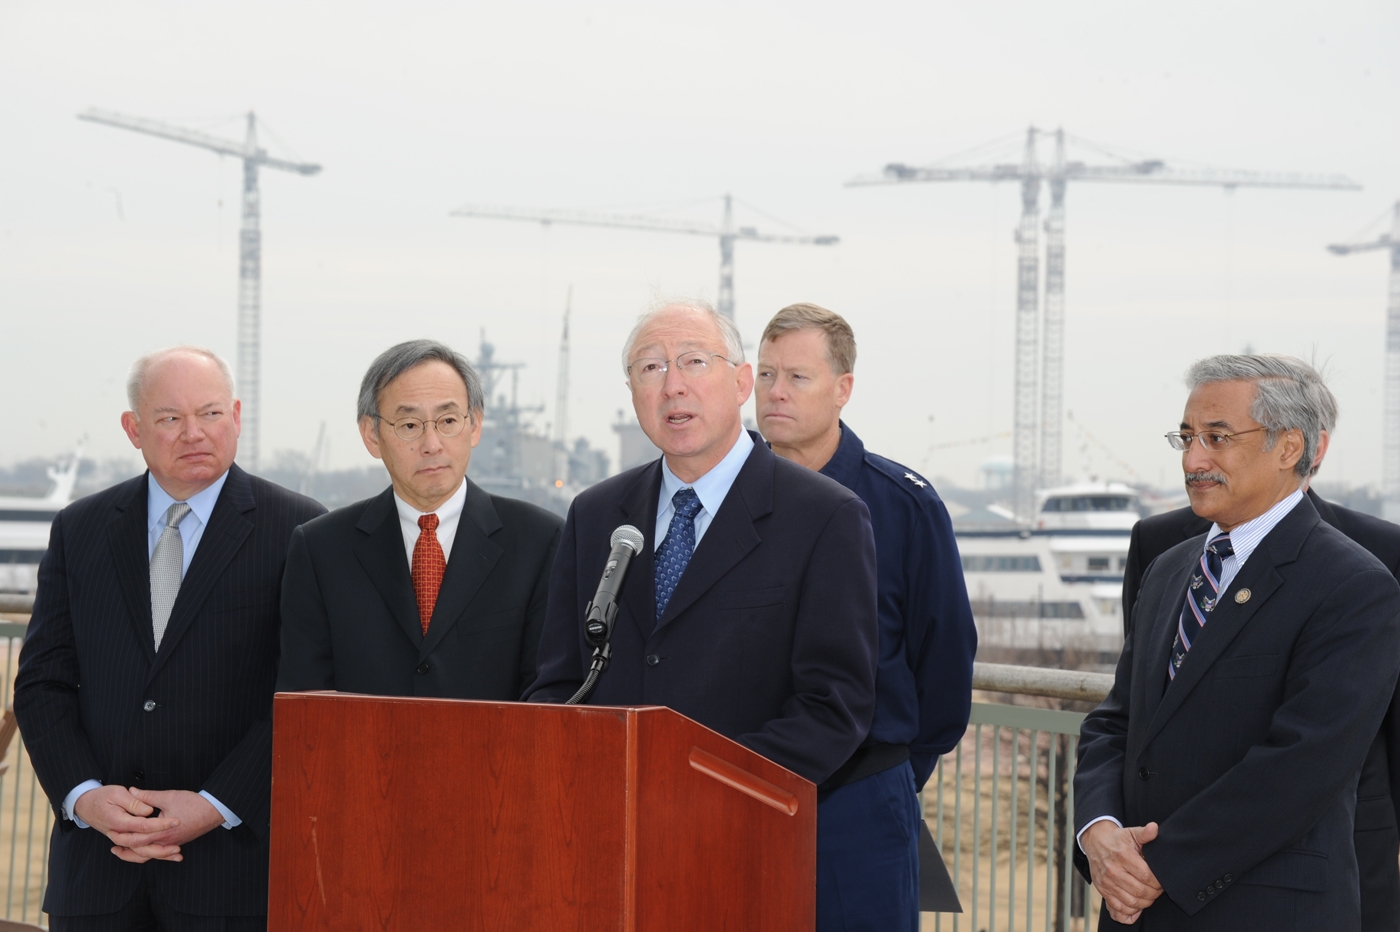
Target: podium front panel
{"type": "Point", "coordinates": [405, 815]}
{"type": "Point", "coordinates": [422, 814]}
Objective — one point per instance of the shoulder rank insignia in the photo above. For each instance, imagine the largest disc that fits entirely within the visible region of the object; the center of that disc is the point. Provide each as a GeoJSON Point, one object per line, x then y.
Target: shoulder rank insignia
{"type": "Point", "coordinates": [915, 479]}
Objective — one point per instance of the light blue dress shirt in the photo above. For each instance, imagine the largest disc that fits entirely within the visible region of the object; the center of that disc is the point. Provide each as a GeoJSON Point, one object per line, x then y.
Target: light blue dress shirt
{"type": "Point", "coordinates": [710, 488]}
{"type": "Point", "coordinates": [191, 528]}
{"type": "Point", "coordinates": [158, 502]}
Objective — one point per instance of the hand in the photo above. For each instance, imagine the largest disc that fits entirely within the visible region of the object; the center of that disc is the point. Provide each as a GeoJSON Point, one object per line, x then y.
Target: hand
{"type": "Point", "coordinates": [192, 814]}
{"type": "Point", "coordinates": [123, 818]}
{"type": "Point", "coordinates": [1120, 874]}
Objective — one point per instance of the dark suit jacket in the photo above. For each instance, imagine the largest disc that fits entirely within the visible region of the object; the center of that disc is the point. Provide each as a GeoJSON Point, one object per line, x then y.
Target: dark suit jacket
{"type": "Point", "coordinates": [1378, 793]}
{"type": "Point", "coordinates": [1249, 759]}
{"type": "Point", "coordinates": [350, 618]}
{"type": "Point", "coordinates": [770, 637]}
{"type": "Point", "coordinates": [89, 668]}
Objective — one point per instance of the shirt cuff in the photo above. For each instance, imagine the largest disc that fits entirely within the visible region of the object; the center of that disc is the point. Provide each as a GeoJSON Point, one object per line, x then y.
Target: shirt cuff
{"type": "Point", "coordinates": [1102, 818]}
{"type": "Point", "coordinates": [71, 800]}
{"type": "Point", "coordinates": [230, 820]}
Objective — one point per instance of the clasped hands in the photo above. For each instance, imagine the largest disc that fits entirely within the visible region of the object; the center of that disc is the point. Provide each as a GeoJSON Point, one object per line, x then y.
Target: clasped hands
{"type": "Point", "coordinates": [1120, 873]}
{"type": "Point", "coordinates": [124, 815]}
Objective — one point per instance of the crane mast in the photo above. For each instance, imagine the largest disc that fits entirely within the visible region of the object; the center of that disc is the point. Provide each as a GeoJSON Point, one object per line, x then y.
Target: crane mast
{"type": "Point", "coordinates": [1027, 307]}
{"type": "Point", "coordinates": [1052, 372]}
{"type": "Point", "coordinates": [250, 304]}
{"type": "Point", "coordinates": [1390, 398]}
{"type": "Point", "coordinates": [561, 382]}
{"type": "Point", "coordinates": [1044, 465]}
{"type": "Point", "coordinates": [249, 327]}
{"type": "Point", "coordinates": [726, 233]}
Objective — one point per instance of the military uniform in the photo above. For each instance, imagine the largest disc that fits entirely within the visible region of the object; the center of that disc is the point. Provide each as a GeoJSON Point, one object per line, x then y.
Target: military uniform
{"type": "Point", "coordinates": [867, 814]}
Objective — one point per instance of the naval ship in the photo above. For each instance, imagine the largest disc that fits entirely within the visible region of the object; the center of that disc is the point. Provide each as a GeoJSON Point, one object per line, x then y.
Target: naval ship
{"type": "Point", "coordinates": [24, 528]}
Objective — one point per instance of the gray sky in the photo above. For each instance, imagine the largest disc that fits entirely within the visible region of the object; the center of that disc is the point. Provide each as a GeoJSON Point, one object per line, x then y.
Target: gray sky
{"type": "Point", "coordinates": [112, 243]}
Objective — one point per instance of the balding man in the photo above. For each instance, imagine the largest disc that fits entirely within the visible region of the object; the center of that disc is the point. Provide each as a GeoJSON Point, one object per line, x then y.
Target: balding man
{"type": "Point", "coordinates": [751, 607]}
{"type": "Point", "coordinates": [145, 685]}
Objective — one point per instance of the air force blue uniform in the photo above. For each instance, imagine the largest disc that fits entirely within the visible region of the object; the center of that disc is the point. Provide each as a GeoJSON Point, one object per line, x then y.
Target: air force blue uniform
{"type": "Point", "coordinates": [868, 814]}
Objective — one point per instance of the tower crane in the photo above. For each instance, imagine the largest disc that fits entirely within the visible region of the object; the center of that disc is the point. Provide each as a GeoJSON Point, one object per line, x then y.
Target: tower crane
{"type": "Point", "coordinates": [1032, 173]}
{"type": "Point", "coordinates": [249, 249]}
{"type": "Point", "coordinates": [1390, 404]}
{"type": "Point", "coordinates": [726, 233]}
{"type": "Point", "coordinates": [561, 379]}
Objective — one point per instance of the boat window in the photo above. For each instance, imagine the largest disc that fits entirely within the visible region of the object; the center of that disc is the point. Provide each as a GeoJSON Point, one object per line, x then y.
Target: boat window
{"type": "Point", "coordinates": [1088, 503]}
{"type": "Point", "coordinates": [974, 563]}
{"type": "Point", "coordinates": [1122, 563]}
{"type": "Point", "coordinates": [39, 517]}
{"type": "Point", "coordinates": [1098, 563]}
{"type": "Point", "coordinates": [995, 608]}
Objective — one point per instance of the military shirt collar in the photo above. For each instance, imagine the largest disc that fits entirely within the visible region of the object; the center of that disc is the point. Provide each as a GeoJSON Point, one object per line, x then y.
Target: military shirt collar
{"type": "Point", "coordinates": [845, 464]}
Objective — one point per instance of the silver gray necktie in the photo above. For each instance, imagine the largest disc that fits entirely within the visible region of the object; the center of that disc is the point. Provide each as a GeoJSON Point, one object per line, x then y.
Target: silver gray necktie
{"type": "Point", "coordinates": [167, 568]}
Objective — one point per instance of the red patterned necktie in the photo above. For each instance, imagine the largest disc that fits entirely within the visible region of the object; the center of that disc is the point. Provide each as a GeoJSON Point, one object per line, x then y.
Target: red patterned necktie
{"type": "Point", "coordinates": [429, 564]}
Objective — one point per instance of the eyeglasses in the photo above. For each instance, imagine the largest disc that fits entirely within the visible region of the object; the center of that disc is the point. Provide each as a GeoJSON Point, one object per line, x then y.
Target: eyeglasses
{"type": "Point", "coordinates": [409, 429]}
{"type": "Point", "coordinates": [1213, 440]}
{"type": "Point", "coordinates": [650, 370]}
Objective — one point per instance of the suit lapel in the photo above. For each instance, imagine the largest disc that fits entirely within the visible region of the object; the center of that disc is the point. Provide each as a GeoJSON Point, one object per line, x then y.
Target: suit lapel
{"type": "Point", "coordinates": [1261, 577]}
{"type": "Point", "coordinates": [1163, 630]}
{"type": "Point", "coordinates": [638, 506]}
{"type": "Point", "coordinates": [230, 523]}
{"type": "Point", "coordinates": [127, 535]}
{"type": "Point", "coordinates": [474, 556]}
{"type": "Point", "coordinates": [381, 553]}
{"type": "Point", "coordinates": [731, 534]}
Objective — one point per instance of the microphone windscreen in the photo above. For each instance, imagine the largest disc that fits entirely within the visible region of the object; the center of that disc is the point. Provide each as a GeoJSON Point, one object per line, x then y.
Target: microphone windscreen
{"type": "Point", "coordinates": [630, 536]}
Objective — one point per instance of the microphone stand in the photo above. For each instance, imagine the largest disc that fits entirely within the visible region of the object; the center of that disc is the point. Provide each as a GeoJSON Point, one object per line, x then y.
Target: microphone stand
{"type": "Point", "coordinates": [601, 656]}
{"type": "Point", "coordinates": [597, 630]}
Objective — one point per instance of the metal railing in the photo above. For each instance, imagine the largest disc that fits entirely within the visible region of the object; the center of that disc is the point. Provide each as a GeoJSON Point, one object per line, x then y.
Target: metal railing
{"type": "Point", "coordinates": [1000, 805]}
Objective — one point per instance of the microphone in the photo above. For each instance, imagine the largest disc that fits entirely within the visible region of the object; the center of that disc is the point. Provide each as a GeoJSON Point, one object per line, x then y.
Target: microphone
{"type": "Point", "coordinates": [599, 616]}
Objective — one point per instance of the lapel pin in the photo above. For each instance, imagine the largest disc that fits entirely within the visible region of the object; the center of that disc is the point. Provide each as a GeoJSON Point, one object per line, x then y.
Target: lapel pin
{"type": "Point", "coordinates": [1243, 596]}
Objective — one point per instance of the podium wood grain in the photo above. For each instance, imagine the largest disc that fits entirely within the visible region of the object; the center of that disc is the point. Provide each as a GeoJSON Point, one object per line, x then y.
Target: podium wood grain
{"type": "Point", "coordinates": [399, 814]}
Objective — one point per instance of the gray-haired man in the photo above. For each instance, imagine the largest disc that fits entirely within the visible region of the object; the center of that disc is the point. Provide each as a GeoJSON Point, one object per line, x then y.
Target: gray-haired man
{"type": "Point", "coordinates": [1217, 783]}
{"type": "Point", "coordinates": [433, 587]}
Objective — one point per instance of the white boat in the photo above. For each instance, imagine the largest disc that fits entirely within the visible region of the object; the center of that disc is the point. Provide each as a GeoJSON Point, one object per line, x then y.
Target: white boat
{"type": "Point", "coordinates": [1055, 585]}
{"type": "Point", "coordinates": [24, 527]}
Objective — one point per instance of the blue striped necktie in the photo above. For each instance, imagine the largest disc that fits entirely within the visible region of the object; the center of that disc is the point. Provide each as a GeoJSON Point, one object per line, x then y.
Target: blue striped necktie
{"type": "Point", "coordinates": [1202, 595]}
{"type": "Point", "coordinates": [674, 553]}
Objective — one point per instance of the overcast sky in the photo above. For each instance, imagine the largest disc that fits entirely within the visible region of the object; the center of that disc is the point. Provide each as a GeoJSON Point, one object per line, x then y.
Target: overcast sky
{"type": "Point", "coordinates": [113, 243]}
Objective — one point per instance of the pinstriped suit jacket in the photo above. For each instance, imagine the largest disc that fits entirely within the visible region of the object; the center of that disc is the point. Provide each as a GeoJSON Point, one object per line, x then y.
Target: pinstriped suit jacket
{"type": "Point", "coordinates": [89, 670]}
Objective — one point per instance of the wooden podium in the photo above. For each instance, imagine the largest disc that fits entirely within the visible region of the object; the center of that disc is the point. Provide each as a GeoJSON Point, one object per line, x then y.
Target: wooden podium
{"type": "Point", "coordinates": [429, 815]}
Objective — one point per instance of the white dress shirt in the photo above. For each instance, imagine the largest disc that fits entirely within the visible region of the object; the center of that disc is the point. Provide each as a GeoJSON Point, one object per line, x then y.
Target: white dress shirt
{"type": "Point", "coordinates": [191, 530]}
{"type": "Point", "coordinates": [1243, 539]}
{"type": "Point", "coordinates": [710, 488]}
{"type": "Point", "coordinates": [449, 516]}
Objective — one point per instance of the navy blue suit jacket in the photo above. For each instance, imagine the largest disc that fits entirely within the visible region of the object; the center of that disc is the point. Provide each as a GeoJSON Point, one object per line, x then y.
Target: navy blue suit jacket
{"type": "Point", "coordinates": [927, 636]}
{"type": "Point", "coordinates": [770, 637]}
{"type": "Point", "coordinates": [1249, 759]}
{"type": "Point", "coordinates": [89, 668]}
{"type": "Point", "coordinates": [1378, 793]}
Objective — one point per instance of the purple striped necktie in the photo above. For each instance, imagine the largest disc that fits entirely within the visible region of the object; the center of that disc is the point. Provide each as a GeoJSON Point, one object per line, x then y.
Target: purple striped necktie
{"type": "Point", "coordinates": [1202, 595]}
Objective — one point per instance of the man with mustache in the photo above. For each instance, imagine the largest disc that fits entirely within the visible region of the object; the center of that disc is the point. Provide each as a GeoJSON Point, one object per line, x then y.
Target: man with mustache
{"type": "Point", "coordinates": [1216, 785]}
{"type": "Point", "coordinates": [1378, 792]}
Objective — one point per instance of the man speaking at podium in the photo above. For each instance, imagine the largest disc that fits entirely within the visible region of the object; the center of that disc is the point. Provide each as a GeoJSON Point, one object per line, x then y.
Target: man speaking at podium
{"type": "Point", "coordinates": [751, 607]}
